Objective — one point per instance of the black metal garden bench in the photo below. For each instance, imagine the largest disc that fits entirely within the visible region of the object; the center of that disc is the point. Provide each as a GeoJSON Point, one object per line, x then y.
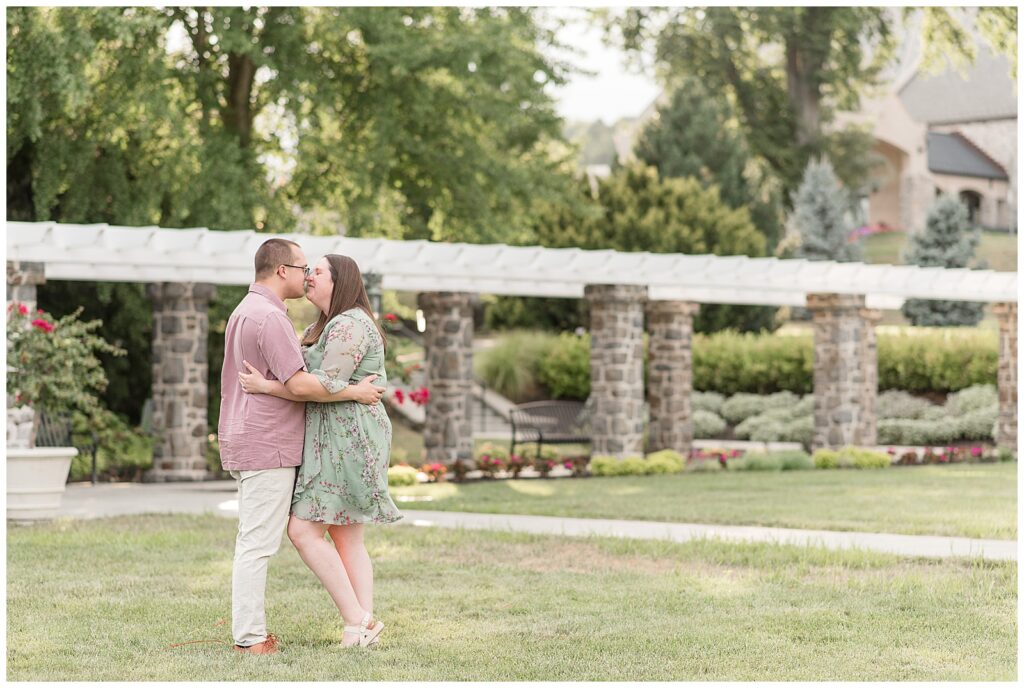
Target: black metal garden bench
{"type": "Point", "coordinates": [549, 422]}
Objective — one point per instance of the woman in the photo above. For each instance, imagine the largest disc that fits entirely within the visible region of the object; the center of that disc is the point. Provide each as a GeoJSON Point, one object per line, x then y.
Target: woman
{"type": "Point", "coordinates": [343, 480]}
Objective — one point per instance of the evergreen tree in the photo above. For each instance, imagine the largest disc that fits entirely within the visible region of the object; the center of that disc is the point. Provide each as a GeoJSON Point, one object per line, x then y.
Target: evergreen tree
{"type": "Point", "coordinates": [697, 135]}
{"type": "Point", "coordinates": [948, 241]}
{"type": "Point", "coordinates": [820, 213]}
{"type": "Point", "coordinates": [638, 211]}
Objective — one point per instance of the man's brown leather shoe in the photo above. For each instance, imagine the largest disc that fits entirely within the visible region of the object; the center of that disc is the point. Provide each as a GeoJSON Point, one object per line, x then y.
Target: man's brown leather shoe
{"type": "Point", "coordinates": [267, 647]}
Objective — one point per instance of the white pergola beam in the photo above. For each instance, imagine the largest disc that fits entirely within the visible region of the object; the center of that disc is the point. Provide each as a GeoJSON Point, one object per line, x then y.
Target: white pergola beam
{"type": "Point", "coordinates": [152, 254]}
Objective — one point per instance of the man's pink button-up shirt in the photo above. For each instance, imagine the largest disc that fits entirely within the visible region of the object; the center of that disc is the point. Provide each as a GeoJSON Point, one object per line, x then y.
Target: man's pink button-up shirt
{"type": "Point", "coordinates": [258, 431]}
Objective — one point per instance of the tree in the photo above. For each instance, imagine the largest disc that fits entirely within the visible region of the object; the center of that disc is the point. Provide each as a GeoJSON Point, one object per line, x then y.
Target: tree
{"type": "Point", "coordinates": [696, 135]}
{"type": "Point", "coordinates": [786, 69]}
{"type": "Point", "coordinates": [416, 122]}
{"type": "Point", "coordinates": [641, 212]}
{"type": "Point", "coordinates": [948, 241]}
{"type": "Point", "coordinates": [948, 40]}
{"type": "Point", "coordinates": [441, 112]}
{"type": "Point", "coordinates": [820, 214]}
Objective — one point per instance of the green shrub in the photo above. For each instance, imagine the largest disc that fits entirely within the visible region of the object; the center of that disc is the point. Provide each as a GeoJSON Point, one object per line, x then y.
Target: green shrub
{"type": "Point", "coordinates": [977, 424]}
{"type": "Point", "coordinates": [774, 418]}
{"type": "Point", "coordinates": [864, 458]}
{"type": "Point", "coordinates": [731, 362]}
{"type": "Point", "coordinates": [851, 457]}
{"type": "Point", "coordinates": [707, 424]}
{"type": "Point", "coordinates": [1005, 455]}
{"type": "Point", "coordinates": [401, 476]}
{"type": "Point", "coordinates": [657, 463]}
{"type": "Point", "coordinates": [565, 369]}
{"type": "Point", "coordinates": [511, 367]}
{"type": "Point", "coordinates": [760, 461]}
{"type": "Point", "coordinates": [665, 461]}
{"type": "Point", "coordinates": [794, 460]}
{"type": "Point", "coordinates": [825, 458]}
{"type": "Point", "coordinates": [547, 451]}
{"type": "Point", "coordinates": [917, 432]}
{"type": "Point", "coordinates": [933, 412]}
{"type": "Point", "coordinates": [973, 398]}
{"type": "Point", "coordinates": [895, 403]}
{"type": "Point", "coordinates": [703, 466]}
{"type": "Point", "coordinates": [937, 359]}
{"type": "Point", "coordinates": [604, 465]}
{"type": "Point", "coordinates": [742, 406]}
{"type": "Point", "coordinates": [788, 460]}
{"type": "Point", "coordinates": [531, 365]}
{"type": "Point", "coordinates": [708, 401]}
{"type": "Point", "coordinates": [799, 430]}
{"type": "Point", "coordinates": [634, 465]}
{"type": "Point", "coordinates": [124, 453]}
{"type": "Point", "coordinates": [497, 451]}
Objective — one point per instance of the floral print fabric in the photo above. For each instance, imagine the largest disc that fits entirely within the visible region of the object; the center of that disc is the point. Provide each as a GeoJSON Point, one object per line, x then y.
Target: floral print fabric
{"type": "Point", "coordinates": [343, 478]}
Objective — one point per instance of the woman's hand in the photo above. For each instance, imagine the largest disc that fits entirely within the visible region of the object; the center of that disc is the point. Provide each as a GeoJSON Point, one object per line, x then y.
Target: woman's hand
{"type": "Point", "coordinates": [252, 382]}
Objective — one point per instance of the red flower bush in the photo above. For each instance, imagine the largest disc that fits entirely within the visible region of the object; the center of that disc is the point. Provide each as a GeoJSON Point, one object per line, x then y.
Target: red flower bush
{"type": "Point", "coordinates": [41, 324]}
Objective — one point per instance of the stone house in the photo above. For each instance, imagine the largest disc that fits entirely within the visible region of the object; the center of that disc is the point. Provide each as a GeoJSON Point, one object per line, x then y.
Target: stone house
{"type": "Point", "coordinates": [954, 132]}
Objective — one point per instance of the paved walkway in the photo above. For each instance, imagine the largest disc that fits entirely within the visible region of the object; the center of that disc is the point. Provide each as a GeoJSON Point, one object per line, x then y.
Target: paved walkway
{"type": "Point", "coordinates": [219, 497]}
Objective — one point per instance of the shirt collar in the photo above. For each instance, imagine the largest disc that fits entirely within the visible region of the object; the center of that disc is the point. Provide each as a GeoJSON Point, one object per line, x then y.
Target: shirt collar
{"type": "Point", "coordinates": [267, 294]}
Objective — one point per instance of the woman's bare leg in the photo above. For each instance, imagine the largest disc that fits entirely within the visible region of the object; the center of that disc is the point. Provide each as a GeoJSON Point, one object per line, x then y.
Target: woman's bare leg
{"type": "Point", "coordinates": [348, 541]}
{"type": "Point", "coordinates": [323, 560]}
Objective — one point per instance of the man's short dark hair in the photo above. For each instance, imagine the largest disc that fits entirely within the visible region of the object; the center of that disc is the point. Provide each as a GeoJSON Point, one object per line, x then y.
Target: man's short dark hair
{"type": "Point", "coordinates": [271, 253]}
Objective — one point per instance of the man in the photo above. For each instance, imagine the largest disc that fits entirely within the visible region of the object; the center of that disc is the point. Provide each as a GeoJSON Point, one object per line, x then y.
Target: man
{"type": "Point", "coordinates": [261, 435]}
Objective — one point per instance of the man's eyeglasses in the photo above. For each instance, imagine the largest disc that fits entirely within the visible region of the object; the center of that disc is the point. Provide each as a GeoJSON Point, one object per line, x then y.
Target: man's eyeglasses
{"type": "Point", "coordinates": [306, 270]}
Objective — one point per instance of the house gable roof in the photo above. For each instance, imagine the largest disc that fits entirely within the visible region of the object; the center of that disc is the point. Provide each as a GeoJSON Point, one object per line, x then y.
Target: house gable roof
{"type": "Point", "coordinates": [954, 154]}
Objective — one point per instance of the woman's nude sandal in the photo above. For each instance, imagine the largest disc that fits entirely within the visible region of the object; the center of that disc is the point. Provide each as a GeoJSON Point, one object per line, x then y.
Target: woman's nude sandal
{"type": "Point", "coordinates": [367, 635]}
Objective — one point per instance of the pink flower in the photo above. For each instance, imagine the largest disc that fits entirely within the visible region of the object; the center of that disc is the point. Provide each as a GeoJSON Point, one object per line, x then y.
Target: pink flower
{"type": "Point", "coordinates": [22, 309]}
{"type": "Point", "coordinates": [391, 317]}
{"type": "Point", "coordinates": [39, 311]}
{"type": "Point", "coordinates": [42, 325]}
{"type": "Point", "coordinates": [420, 396]}
{"type": "Point", "coordinates": [399, 396]}
{"type": "Point", "coordinates": [975, 451]}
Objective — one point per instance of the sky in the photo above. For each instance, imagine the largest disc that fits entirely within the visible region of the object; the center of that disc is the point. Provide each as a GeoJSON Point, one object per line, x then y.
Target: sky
{"type": "Point", "coordinates": [614, 91]}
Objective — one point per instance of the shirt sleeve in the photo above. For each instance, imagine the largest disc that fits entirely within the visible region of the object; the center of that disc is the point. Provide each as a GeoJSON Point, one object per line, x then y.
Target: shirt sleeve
{"type": "Point", "coordinates": [280, 347]}
{"type": "Point", "coordinates": [345, 347]}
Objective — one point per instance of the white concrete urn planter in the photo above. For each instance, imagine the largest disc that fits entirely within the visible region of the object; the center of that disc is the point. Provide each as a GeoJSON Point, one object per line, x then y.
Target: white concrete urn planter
{"type": "Point", "coordinates": [36, 476]}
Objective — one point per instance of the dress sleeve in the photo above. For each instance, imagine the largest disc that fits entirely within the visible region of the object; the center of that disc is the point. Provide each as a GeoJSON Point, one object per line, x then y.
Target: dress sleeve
{"type": "Point", "coordinates": [345, 347]}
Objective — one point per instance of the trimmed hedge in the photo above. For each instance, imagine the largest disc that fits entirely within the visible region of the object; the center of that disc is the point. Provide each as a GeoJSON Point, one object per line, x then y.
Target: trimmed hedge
{"type": "Point", "coordinates": [658, 463]}
{"type": "Point", "coordinates": [773, 461]}
{"type": "Point", "coordinates": [707, 425]}
{"type": "Point", "coordinates": [401, 476]}
{"type": "Point", "coordinates": [920, 360]}
{"type": "Point", "coordinates": [851, 457]}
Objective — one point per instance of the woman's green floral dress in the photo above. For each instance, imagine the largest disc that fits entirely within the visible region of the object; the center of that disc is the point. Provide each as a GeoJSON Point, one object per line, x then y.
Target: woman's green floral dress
{"type": "Point", "coordinates": [343, 478]}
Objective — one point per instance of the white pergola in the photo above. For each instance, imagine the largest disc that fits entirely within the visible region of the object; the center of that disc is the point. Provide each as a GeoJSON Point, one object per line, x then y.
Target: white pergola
{"type": "Point", "coordinates": [154, 254]}
{"type": "Point", "coordinates": [624, 291]}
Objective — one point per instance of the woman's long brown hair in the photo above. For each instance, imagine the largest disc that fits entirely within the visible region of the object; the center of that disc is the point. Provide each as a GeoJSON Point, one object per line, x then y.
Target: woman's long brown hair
{"type": "Point", "coordinates": [348, 292]}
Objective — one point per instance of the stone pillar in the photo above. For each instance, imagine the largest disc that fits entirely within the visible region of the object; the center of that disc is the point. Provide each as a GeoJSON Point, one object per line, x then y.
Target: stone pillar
{"type": "Point", "coordinates": [22, 280]}
{"type": "Point", "coordinates": [448, 363]}
{"type": "Point", "coordinates": [616, 367]}
{"type": "Point", "coordinates": [180, 369]}
{"type": "Point", "coordinates": [670, 375]}
{"type": "Point", "coordinates": [1006, 426]}
{"type": "Point", "coordinates": [845, 371]}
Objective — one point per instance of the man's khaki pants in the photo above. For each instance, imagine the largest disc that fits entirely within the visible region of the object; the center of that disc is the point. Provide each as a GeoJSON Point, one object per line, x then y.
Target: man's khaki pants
{"type": "Point", "coordinates": [264, 498]}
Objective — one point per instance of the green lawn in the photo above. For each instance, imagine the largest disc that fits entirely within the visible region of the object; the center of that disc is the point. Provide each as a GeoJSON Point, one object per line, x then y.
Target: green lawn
{"type": "Point", "coordinates": [103, 600]}
{"type": "Point", "coordinates": [976, 500]}
{"type": "Point", "coordinates": [998, 248]}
